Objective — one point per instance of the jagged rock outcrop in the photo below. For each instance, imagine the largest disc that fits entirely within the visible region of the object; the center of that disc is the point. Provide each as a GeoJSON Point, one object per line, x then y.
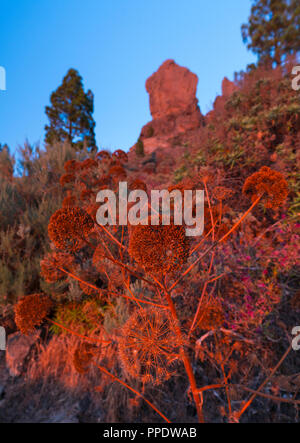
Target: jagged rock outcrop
{"type": "Point", "coordinates": [173, 105]}
{"type": "Point", "coordinates": [228, 88]}
{"type": "Point", "coordinates": [172, 90]}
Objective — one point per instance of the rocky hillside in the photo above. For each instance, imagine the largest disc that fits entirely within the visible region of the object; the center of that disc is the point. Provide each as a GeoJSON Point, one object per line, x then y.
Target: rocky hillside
{"type": "Point", "coordinates": [252, 279]}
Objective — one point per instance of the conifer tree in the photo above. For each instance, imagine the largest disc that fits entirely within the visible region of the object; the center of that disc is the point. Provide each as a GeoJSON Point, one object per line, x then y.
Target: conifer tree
{"type": "Point", "coordinates": [273, 30]}
{"type": "Point", "coordinates": [70, 114]}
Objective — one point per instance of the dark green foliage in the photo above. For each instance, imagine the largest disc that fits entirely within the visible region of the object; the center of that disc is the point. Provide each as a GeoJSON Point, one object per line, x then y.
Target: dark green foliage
{"type": "Point", "coordinates": [139, 148]}
{"type": "Point", "coordinates": [84, 317]}
{"type": "Point", "coordinates": [258, 125]}
{"type": "Point", "coordinates": [70, 114]}
{"type": "Point", "coordinates": [150, 132]}
{"type": "Point", "coordinates": [273, 30]}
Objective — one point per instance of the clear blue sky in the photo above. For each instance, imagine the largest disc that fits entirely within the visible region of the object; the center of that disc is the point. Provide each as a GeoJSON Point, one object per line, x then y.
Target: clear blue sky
{"type": "Point", "coordinates": [115, 45]}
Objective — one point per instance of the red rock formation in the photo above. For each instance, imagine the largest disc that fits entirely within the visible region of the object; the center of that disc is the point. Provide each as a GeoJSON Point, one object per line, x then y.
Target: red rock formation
{"type": "Point", "coordinates": [172, 90]}
{"type": "Point", "coordinates": [228, 87]}
{"type": "Point", "coordinates": [173, 105]}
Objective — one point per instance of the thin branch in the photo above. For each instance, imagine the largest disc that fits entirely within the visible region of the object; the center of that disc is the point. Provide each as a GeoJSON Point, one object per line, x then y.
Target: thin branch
{"type": "Point", "coordinates": [246, 406]}
{"type": "Point", "coordinates": [115, 378]}
{"type": "Point", "coordinates": [106, 342]}
{"type": "Point", "coordinates": [234, 227]}
{"type": "Point", "coordinates": [112, 237]}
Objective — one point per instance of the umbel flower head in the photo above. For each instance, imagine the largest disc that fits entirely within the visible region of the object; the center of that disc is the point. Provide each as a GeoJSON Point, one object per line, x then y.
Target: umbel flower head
{"type": "Point", "coordinates": [67, 178]}
{"type": "Point", "coordinates": [148, 346]}
{"type": "Point", "coordinates": [269, 184]}
{"type": "Point", "coordinates": [88, 164]}
{"type": "Point", "coordinates": [160, 250]}
{"type": "Point", "coordinates": [68, 227]}
{"type": "Point", "coordinates": [117, 172]}
{"type": "Point", "coordinates": [120, 156]}
{"type": "Point", "coordinates": [30, 312]}
{"type": "Point", "coordinates": [71, 165]}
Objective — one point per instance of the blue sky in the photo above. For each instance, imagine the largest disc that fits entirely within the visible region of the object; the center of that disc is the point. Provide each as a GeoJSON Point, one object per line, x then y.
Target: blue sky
{"type": "Point", "coordinates": [116, 45]}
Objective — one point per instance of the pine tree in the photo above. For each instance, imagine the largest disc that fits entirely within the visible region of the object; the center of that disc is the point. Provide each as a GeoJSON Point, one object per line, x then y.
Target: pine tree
{"type": "Point", "coordinates": [70, 114]}
{"type": "Point", "coordinates": [273, 30]}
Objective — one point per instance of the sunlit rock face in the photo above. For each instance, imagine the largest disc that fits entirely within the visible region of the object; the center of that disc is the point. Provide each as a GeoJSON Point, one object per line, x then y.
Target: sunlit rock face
{"type": "Point", "coordinates": [228, 87]}
{"type": "Point", "coordinates": [173, 105]}
{"type": "Point", "coordinates": [172, 90]}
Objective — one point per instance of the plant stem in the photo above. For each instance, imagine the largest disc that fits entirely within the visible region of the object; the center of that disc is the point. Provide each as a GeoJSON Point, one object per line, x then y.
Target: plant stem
{"type": "Point", "coordinates": [241, 219]}
{"type": "Point", "coordinates": [95, 340]}
{"type": "Point", "coordinates": [246, 406]}
{"type": "Point", "coordinates": [113, 377]}
{"type": "Point", "coordinates": [185, 358]}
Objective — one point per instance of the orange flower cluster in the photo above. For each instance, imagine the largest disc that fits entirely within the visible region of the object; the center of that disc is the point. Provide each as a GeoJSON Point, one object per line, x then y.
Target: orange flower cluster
{"type": "Point", "coordinates": [71, 166]}
{"type": "Point", "coordinates": [68, 226]}
{"type": "Point", "coordinates": [30, 312]}
{"type": "Point", "coordinates": [82, 358]}
{"type": "Point", "coordinates": [211, 316]}
{"type": "Point", "coordinates": [148, 346]}
{"type": "Point", "coordinates": [88, 164]}
{"type": "Point", "coordinates": [120, 156]}
{"type": "Point", "coordinates": [269, 184]}
{"type": "Point", "coordinates": [66, 178]}
{"type": "Point", "coordinates": [160, 250]}
{"type": "Point", "coordinates": [86, 194]}
{"type": "Point", "coordinates": [53, 261]}
{"type": "Point", "coordinates": [117, 172]}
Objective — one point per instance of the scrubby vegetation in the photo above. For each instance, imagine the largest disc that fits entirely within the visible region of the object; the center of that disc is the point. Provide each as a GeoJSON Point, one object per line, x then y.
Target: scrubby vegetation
{"type": "Point", "coordinates": [223, 305]}
{"type": "Point", "coordinates": [151, 325]}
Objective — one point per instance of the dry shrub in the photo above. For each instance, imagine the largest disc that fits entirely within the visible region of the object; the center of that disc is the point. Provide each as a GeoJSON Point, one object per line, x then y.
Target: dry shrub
{"type": "Point", "coordinates": [54, 360]}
